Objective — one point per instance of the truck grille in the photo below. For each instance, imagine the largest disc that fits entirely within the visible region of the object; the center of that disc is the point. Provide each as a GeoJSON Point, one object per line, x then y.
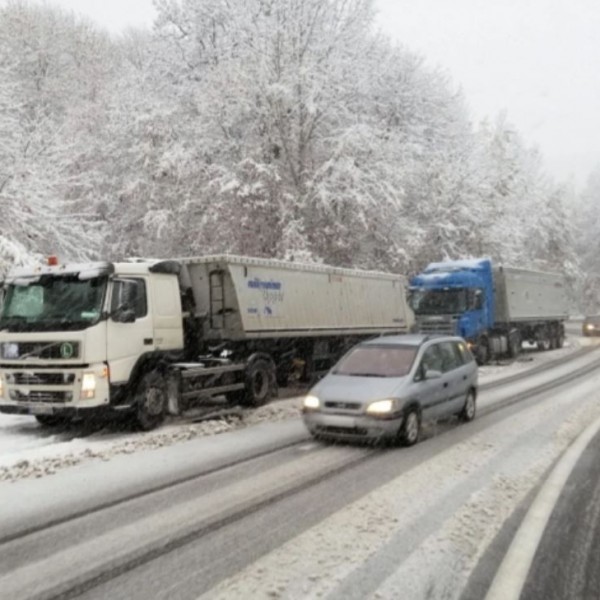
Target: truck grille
{"type": "Point", "coordinates": [445, 325]}
{"type": "Point", "coordinates": [23, 378]}
{"type": "Point", "coordinates": [52, 350]}
{"type": "Point", "coordinates": [41, 396]}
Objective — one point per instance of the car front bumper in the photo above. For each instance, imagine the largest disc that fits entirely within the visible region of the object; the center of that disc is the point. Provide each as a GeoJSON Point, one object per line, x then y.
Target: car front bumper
{"type": "Point", "coordinates": [351, 427]}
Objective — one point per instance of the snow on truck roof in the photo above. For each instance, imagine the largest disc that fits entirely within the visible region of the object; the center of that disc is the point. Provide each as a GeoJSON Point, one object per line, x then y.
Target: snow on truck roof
{"type": "Point", "coordinates": [145, 265]}
{"type": "Point", "coordinates": [289, 265]}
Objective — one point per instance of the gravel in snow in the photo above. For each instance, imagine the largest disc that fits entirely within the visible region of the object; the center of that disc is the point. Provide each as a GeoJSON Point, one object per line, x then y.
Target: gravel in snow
{"type": "Point", "coordinates": [27, 452]}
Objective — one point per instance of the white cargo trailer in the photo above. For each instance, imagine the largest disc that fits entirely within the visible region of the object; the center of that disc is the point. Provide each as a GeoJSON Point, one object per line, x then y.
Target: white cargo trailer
{"type": "Point", "coordinates": [142, 335]}
{"type": "Point", "coordinates": [525, 295]}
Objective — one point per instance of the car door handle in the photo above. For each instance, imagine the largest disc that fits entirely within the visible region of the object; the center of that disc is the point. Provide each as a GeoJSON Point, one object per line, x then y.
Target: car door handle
{"type": "Point", "coordinates": [464, 377]}
{"type": "Point", "coordinates": [446, 384]}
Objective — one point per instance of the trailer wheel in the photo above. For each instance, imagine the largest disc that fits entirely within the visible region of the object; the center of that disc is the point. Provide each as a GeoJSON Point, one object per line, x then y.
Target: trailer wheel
{"type": "Point", "coordinates": [150, 401]}
{"type": "Point", "coordinates": [514, 345]}
{"type": "Point", "coordinates": [544, 345]}
{"type": "Point", "coordinates": [482, 352]}
{"type": "Point", "coordinates": [260, 382]}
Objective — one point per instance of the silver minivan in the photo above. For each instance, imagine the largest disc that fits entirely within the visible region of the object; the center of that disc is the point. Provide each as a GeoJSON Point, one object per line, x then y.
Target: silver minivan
{"type": "Point", "coordinates": [387, 387]}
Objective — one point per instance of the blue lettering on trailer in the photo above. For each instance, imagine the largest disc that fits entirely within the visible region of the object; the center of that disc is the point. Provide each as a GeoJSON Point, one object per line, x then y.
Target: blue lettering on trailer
{"type": "Point", "coordinates": [259, 284]}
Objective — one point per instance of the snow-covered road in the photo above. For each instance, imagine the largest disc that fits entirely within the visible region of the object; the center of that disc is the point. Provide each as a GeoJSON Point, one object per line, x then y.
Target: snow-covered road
{"type": "Point", "coordinates": [303, 521]}
{"type": "Point", "coordinates": [29, 450]}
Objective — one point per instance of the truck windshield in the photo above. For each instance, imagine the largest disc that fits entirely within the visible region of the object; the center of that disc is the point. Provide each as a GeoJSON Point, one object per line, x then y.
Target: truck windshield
{"type": "Point", "coordinates": [438, 302]}
{"type": "Point", "coordinates": [52, 303]}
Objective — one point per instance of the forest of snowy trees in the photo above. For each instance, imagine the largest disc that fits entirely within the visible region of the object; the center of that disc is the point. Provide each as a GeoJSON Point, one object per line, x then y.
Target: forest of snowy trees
{"type": "Point", "coordinates": [280, 128]}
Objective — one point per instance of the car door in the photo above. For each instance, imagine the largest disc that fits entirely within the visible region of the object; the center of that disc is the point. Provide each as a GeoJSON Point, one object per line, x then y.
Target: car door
{"type": "Point", "coordinates": [454, 378]}
{"type": "Point", "coordinates": [430, 393]}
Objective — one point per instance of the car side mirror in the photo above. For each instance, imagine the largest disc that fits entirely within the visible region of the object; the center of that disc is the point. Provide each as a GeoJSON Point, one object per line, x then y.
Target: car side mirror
{"type": "Point", "coordinates": [124, 316]}
{"type": "Point", "coordinates": [432, 374]}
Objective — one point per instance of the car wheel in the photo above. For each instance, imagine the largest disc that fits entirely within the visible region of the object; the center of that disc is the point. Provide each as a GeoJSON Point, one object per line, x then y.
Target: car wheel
{"type": "Point", "coordinates": [411, 428]}
{"type": "Point", "coordinates": [469, 409]}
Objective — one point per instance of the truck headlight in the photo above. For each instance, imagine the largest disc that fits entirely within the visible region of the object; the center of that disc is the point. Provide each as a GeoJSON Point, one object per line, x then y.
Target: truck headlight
{"type": "Point", "coordinates": [381, 407]}
{"type": "Point", "coordinates": [311, 403]}
{"type": "Point", "coordinates": [88, 386]}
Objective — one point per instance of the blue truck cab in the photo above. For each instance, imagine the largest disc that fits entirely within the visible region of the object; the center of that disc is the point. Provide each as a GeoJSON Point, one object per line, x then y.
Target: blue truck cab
{"type": "Point", "coordinates": [494, 308]}
{"type": "Point", "coordinates": [454, 297]}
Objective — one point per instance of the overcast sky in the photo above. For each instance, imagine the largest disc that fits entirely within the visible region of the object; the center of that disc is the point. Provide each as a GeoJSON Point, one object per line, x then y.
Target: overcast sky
{"type": "Point", "coordinates": [536, 59]}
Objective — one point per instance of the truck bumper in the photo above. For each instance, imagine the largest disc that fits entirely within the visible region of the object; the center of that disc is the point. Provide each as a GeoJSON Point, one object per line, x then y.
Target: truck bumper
{"type": "Point", "coordinates": [69, 413]}
{"type": "Point", "coordinates": [66, 391]}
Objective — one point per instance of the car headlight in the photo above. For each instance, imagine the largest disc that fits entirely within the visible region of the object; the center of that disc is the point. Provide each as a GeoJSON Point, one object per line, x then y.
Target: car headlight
{"type": "Point", "coordinates": [88, 386]}
{"type": "Point", "coordinates": [311, 403]}
{"type": "Point", "coordinates": [381, 407]}
{"type": "Point", "coordinates": [1, 387]}
{"type": "Point", "coordinates": [589, 326]}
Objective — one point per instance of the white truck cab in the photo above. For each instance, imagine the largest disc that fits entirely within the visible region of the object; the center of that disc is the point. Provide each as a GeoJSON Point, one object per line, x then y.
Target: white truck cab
{"type": "Point", "coordinates": [74, 336]}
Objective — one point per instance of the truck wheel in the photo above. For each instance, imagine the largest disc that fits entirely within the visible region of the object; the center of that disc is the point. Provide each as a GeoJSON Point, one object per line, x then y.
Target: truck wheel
{"type": "Point", "coordinates": [482, 354]}
{"type": "Point", "coordinates": [544, 345]}
{"type": "Point", "coordinates": [411, 428]}
{"type": "Point", "coordinates": [50, 420]}
{"type": "Point", "coordinates": [150, 401]}
{"type": "Point", "coordinates": [560, 340]}
{"type": "Point", "coordinates": [514, 345]}
{"type": "Point", "coordinates": [260, 381]}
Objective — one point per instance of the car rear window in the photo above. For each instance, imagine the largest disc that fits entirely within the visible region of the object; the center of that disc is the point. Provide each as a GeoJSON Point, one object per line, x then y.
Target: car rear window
{"type": "Point", "coordinates": [377, 361]}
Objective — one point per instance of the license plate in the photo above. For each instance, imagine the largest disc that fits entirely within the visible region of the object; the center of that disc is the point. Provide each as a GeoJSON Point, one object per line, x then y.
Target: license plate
{"type": "Point", "coordinates": [40, 410]}
{"type": "Point", "coordinates": [337, 421]}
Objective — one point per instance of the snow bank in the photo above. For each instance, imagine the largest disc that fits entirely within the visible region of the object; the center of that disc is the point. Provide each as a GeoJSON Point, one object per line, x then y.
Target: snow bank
{"type": "Point", "coordinates": [38, 455]}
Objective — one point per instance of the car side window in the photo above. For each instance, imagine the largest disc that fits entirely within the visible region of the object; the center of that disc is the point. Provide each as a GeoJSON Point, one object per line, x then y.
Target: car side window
{"type": "Point", "coordinates": [450, 358]}
{"type": "Point", "coordinates": [431, 361]}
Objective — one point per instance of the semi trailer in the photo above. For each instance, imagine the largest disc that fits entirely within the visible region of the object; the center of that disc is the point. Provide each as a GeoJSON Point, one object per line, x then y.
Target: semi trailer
{"type": "Point", "coordinates": [152, 337]}
{"type": "Point", "coordinates": [494, 308]}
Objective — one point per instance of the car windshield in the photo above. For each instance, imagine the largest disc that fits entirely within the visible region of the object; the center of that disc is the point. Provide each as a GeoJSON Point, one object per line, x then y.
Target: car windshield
{"type": "Point", "coordinates": [377, 361]}
{"type": "Point", "coordinates": [52, 303]}
{"type": "Point", "coordinates": [438, 302]}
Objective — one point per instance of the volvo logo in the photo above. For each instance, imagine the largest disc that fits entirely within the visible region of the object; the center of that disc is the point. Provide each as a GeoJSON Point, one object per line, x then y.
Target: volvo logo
{"type": "Point", "coordinates": [66, 350]}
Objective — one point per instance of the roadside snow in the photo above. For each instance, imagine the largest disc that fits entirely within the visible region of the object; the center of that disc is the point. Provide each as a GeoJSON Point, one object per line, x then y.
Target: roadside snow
{"type": "Point", "coordinates": [27, 451]}
{"type": "Point", "coordinates": [386, 545]}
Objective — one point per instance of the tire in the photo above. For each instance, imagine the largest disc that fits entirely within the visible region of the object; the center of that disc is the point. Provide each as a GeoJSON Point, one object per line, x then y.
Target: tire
{"type": "Point", "coordinates": [260, 383]}
{"type": "Point", "coordinates": [50, 420]}
{"type": "Point", "coordinates": [514, 345]}
{"type": "Point", "coordinates": [544, 345]}
{"type": "Point", "coordinates": [150, 401]}
{"type": "Point", "coordinates": [482, 354]}
{"type": "Point", "coordinates": [560, 340]}
{"type": "Point", "coordinates": [411, 428]}
{"type": "Point", "coordinates": [469, 409]}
